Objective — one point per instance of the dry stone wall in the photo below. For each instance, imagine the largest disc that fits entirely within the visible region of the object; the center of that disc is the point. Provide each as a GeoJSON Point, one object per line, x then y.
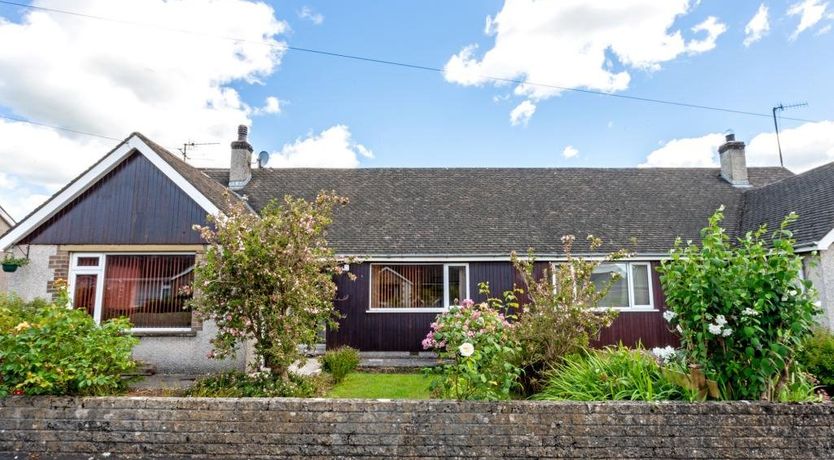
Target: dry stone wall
{"type": "Point", "coordinates": [112, 428]}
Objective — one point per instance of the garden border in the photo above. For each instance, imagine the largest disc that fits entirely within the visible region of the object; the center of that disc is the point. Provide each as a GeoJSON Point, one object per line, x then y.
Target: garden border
{"type": "Point", "coordinates": [141, 427]}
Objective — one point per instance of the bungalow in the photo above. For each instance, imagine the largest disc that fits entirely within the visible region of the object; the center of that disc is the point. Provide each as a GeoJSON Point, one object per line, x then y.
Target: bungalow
{"type": "Point", "coordinates": [121, 234]}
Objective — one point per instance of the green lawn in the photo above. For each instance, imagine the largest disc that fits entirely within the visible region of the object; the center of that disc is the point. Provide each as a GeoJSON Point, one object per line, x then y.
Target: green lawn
{"type": "Point", "coordinates": [382, 386]}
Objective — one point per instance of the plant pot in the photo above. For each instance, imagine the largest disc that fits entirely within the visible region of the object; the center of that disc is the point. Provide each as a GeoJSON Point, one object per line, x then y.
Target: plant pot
{"type": "Point", "coordinates": [10, 268]}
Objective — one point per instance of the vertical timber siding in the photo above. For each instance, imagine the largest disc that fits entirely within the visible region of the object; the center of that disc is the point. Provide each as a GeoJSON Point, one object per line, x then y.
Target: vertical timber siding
{"type": "Point", "coordinates": [133, 204]}
{"type": "Point", "coordinates": [404, 331]}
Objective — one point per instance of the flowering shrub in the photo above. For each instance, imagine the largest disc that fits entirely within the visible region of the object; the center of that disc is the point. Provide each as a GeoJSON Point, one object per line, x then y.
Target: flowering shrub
{"type": "Point", "coordinates": [741, 310]}
{"type": "Point", "coordinates": [562, 315]}
{"type": "Point", "coordinates": [478, 345]}
{"type": "Point", "coordinates": [340, 362]}
{"type": "Point", "coordinates": [269, 279]}
{"type": "Point", "coordinates": [237, 384]}
{"type": "Point", "coordinates": [50, 349]}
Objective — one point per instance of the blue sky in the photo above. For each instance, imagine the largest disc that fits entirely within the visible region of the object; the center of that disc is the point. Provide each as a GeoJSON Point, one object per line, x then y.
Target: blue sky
{"type": "Point", "coordinates": [380, 115]}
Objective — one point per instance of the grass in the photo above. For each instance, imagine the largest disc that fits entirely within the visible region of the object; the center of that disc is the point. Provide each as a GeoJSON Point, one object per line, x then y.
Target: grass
{"type": "Point", "coordinates": [382, 386]}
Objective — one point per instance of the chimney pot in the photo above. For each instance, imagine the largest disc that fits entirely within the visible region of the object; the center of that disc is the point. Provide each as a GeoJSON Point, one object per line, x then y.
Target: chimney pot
{"type": "Point", "coordinates": [240, 170]}
{"type": "Point", "coordinates": [733, 161]}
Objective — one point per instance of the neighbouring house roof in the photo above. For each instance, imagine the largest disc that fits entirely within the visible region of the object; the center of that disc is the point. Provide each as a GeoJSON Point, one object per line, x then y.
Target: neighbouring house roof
{"type": "Point", "coordinates": [5, 217]}
{"type": "Point", "coordinates": [492, 211]}
{"type": "Point", "coordinates": [810, 195]}
{"type": "Point", "coordinates": [208, 194]}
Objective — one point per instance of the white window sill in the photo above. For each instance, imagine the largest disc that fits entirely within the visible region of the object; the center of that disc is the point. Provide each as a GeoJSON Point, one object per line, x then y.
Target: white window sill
{"type": "Point", "coordinates": [407, 310]}
{"type": "Point", "coordinates": [163, 332]}
{"type": "Point", "coordinates": [628, 309]}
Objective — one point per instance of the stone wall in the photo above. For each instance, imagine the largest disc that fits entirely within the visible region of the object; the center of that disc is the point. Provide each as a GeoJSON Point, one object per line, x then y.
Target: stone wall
{"type": "Point", "coordinates": [279, 428]}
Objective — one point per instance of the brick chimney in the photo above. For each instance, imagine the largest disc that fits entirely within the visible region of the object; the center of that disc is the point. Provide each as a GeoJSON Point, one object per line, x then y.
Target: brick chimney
{"type": "Point", "coordinates": [733, 162]}
{"type": "Point", "coordinates": [240, 171]}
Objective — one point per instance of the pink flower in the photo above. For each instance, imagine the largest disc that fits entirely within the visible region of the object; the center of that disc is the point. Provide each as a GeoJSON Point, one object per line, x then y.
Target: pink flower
{"type": "Point", "coordinates": [466, 303]}
{"type": "Point", "coordinates": [427, 343]}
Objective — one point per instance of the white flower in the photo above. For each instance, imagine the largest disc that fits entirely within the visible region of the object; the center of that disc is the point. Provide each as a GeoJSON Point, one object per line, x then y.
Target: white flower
{"type": "Point", "coordinates": [669, 315]}
{"type": "Point", "coordinates": [466, 349]}
{"type": "Point", "coordinates": [792, 292]}
{"type": "Point", "coordinates": [727, 332]}
{"type": "Point", "coordinates": [749, 312]}
{"type": "Point", "coordinates": [714, 329]}
{"type": "Point", "coordinates": [720, 320]}
{"type": "Point", "coordinates": [665, 354]}
{"type": "Point", "coordinates": [679, 328]}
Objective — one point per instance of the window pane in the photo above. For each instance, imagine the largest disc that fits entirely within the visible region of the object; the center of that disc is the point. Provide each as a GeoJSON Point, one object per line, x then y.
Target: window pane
{"type": "Point", "coordinates": [150, 290]}
{"type": "Point", "coordinates": [457, 284]}
{"type": "Point", "coordinates": [407, 286]}
{"type": "Point", "coordinates": [641, 284]}
{"type": "Point", "coordinates": [84, 293]}
{"type": "Point", "coordinates": [618, 293]}
{"type": "Point", "coordinates": [88, 261]}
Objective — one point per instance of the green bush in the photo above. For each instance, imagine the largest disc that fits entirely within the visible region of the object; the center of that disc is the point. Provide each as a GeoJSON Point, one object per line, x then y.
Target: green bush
{"type": "Point", "coordinates": [817, 356]}
{"type": "Point", "coordinates": [615, 373]}
{"type": "Point", "coordinates": [237, 384]}
{"type": "Point", "coordinates": [740, 307]}
{"type": "Point", "coordinates": [50, 349]}
{"type": "Point", "coordinates": [340, 362]}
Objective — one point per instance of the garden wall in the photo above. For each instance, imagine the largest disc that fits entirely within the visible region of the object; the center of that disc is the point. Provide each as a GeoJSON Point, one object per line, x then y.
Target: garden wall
{"type": "Point", "coordinates": [248, 428]}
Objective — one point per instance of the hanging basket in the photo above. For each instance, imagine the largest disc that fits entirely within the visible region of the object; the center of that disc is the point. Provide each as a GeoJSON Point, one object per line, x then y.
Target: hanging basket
{"type": "Point", "coordinates": [10, 268]}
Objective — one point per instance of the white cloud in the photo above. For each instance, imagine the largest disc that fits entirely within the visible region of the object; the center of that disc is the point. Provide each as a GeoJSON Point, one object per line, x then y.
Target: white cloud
{"type": "Point", "coordinates": [570, 152]}
{"type": "Point", "coordinates": [758, 26]}
{"type": "Point", "coordinates": [310, 15]}
{"type": "Point", "coordinates": [804, 147]}
{"type": "Point", "coordinates": [332, 148]}
{"type": "Point", "coordinates": [522, 112]}
{"type": "Point", "coordinates": [810, 12]}
{"type": "Point", "coordinates": [114, 78]}
{"type": "Point", "coordinates": [695, 152]}
{"type": "Point", "coordinates": [807, 146]}
{"type": "Point", "coordinates": [272, 105]}
{"type": "Point", "coordinates": [567, 43]}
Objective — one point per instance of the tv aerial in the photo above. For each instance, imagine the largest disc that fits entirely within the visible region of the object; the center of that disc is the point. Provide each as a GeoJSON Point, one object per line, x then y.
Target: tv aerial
{"type": "Point", "coordinates": [192, 145]}
{"type": "Point", "coordinates": [782, 107]}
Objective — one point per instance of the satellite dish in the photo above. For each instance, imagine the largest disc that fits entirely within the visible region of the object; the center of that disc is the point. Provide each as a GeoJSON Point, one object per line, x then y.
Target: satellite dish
{"type": "Point", "coordinates": [263, 158]}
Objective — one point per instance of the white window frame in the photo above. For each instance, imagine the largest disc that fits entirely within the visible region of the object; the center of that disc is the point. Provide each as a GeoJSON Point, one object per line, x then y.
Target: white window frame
{"type": "Point", "coordinates": [446, 300]}
{"type": "Point", "coordinates": [99, 270]}
{"type": "Point", "coordinates": [630, 281]}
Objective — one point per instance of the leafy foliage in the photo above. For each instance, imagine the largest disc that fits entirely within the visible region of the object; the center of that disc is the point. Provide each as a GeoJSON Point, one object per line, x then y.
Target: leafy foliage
{"type": "Point", "coordinates": [742, 310]}
{"type": "Point", "coordinates": [478, 348]}
{"type": "Point", "coordinates": [50, 349]}
{"type": "Point", "coordinates": [340, 362]}
{"type": "Point", "coordinates": [236, 384]}
{"type": "Point", "coordinates": [562, 315]}
{"type": "Point", "coordinates": [269, 279]}
{"type": "Point", "coordinates": [614, 373]}
{"type": "Point", "coordinates": [817, 356]}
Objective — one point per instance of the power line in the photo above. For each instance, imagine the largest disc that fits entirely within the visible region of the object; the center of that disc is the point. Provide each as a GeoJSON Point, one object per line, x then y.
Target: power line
{"type": "Point", "coordinates": [403, 64]}
{"type": "Point", "coordinates": [61, 128]}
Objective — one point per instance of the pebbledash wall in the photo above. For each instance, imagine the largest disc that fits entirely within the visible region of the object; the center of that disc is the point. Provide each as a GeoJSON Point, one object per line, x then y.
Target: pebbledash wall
{"type": "Point", "coordinates": [821, 273]}
{"type": "Point", "coordinates": [168, 352]}
{"type": "Point", "coordinates": [280, 428]}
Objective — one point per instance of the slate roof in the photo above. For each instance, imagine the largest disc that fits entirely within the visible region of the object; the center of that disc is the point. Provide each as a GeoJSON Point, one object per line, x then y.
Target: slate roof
{"type": "Point", "coordinates": [810, 195]}
{"type": "Point", "coordinates": [492, 211]}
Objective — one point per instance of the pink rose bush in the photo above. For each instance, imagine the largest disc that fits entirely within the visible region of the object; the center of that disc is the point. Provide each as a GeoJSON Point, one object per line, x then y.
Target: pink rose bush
{"type": "Point", "coordinates": [478, 348]}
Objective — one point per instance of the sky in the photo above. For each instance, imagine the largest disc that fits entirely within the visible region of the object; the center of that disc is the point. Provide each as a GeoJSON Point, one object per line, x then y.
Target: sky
{"type": "Point", "coordinates": [500, 95]}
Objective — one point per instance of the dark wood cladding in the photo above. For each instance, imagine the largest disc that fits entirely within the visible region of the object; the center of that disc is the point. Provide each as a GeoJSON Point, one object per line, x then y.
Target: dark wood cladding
{"type": "Point", "coordinates": [404, 331]}
{"type": "Point", "coordinates": [135, 203]}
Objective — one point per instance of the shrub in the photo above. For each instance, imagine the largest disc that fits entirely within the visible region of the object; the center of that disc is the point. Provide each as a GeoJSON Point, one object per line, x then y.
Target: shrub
{"type": "Point", "coordinates": [742, 310]}
{"type": "Point", "coordinates": [237, 384]}
{"type": "Point", "coordinates": [562, 315]}
{"type": "Point", "coordinates": [269, 279]}
{"type": "Point", "coordinates": [615, 373]}
{"type": "Point", "coordinates": [477, 347]}
{"type": "Point", "coordinates": [817, 356]}
{"type": "Point", "coordinates": [340, 362]}
{"type": "Point", "coordinates": [50, 349]}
